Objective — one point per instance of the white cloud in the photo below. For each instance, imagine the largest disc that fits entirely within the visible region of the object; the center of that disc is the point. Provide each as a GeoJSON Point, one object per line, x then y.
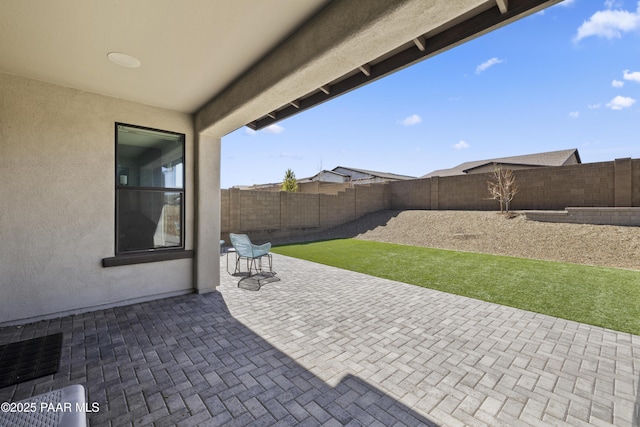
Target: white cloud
{"type": "Point", "coordinates": [633, 76]}
{"type": "Point", "coordinates": [617, 83]}
{"type": "Point", "coordinates": [609, 23]}
{"type": "Point", "coordinates": [249, 131]}
{"type": "Point", "coordinates": [490, 63]}
{"type": "Point", "coordinates": [461, 146]}
{"type": "Point", "coordinates": [612, 4]}
{"type": "Point", "coordinates": [274, 129]}
{"type": "Point", "coordinates": [288, 155]}
{"type": "Point", "coordinates": [567, 3]}
{"type": "Point", "coordinates": [574, 114]}
{"type": "Point", "coordinates": [620, 102]}
{"type": "Point", "coordinates": [594, 106]}
{"type": "Point", "coordinates": [412, 120]}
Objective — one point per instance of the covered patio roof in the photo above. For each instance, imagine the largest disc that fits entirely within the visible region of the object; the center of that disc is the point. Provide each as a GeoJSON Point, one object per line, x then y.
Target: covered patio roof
{"type": "Point", "coordinates": [241, 62]}
{"type": "Point", "coordinates": [200, 68]}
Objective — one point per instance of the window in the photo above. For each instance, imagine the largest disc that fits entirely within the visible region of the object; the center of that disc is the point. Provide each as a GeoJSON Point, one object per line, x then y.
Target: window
{"type": "Point", "coordinates": [149, 189]}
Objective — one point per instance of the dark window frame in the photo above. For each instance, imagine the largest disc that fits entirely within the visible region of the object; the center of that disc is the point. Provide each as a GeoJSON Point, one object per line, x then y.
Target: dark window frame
{"type": "Point", "coordinates": [152, 254]}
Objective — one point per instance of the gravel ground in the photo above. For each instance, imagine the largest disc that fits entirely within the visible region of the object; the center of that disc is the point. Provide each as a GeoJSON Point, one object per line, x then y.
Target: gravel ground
{"type": "Point", "coordinates": [492, 233]}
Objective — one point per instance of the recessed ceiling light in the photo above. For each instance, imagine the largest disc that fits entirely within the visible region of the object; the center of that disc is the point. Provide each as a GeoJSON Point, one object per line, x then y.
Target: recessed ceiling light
{"type": "Point", "coordinates": [124, 60]}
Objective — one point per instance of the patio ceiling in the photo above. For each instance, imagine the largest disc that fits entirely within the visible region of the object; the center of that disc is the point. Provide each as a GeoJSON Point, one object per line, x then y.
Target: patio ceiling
{"type": "Point", "coordinates": [189, 50]}
{"type": "Point", "coordinates": [237, 62]}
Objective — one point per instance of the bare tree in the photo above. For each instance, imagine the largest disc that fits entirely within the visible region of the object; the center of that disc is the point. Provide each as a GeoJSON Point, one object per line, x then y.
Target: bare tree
{"type": "Point", "coordinates": [502, 187]}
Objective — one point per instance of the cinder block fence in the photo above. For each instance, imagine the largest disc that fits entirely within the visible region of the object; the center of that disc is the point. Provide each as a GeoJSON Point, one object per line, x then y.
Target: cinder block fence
{"type": "Point", "coordinates": [268, 215]}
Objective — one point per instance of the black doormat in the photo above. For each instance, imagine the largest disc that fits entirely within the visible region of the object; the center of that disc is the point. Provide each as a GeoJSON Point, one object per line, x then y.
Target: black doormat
{"type": "Point", "coordinates": [25, 360]}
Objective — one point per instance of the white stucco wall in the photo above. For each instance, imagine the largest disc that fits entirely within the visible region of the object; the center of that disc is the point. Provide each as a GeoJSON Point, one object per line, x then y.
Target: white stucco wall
{"type": "Point", "coordinates": [328, 176]}
{"type": "Point", "coordinates": [57, 198]}
{"type": "Point", "coordinates": [491, 167]}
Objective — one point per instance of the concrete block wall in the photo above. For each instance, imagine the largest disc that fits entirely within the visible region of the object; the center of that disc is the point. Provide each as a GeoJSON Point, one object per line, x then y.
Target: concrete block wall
{"type": "Point", "coordinates": [623, 193]}
{"type": "Point", "coordinates": [464, 192]}
{"type": "Point", "coordinates": [225, 211]}
{"type": "Point", "coordinates": [543, 188]}
{"type": "Point", "coordinates": [279, 214]}
{"type": "Point", "coordinates": [413, 194]}
{"type": "Point", "coordinates": [635, 191]}
{"type": "Point", "coordinates": [371, 198]}
{"type": "Point", "coordinates": [589, 184]}
{"type": "Point", "coordinates": [299, 210]}
{"type": "Point", "coordinates": [316, 187]}
{"type": "Point", "coordinates": [259, 210]}
{"type": "Point", "coordinates": [338, 209]}
{"type": "Point", "coordinates": [264, 215]}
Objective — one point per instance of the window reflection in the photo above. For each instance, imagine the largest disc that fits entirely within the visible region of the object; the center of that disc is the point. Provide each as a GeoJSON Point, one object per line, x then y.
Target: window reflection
{"type": "Point", "coordinates": [149, 219]}
{"type": "Point", "coordinates": [149, 158]}
{"type": "Point", "coordinates": [150, 189]}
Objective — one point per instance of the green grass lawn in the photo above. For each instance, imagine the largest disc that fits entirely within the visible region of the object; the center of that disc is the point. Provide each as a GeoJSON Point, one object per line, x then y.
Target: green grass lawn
{"type": "Point", "coordinates": [606, 297]}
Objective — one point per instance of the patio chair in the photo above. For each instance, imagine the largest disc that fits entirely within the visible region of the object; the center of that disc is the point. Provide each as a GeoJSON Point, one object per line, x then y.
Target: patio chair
{"type": "Point", "coordinates": [253, 255]}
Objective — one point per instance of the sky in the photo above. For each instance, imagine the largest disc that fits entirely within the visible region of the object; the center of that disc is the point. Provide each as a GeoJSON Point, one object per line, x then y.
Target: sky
{"type": "Point", "coordinates": [566, 77]}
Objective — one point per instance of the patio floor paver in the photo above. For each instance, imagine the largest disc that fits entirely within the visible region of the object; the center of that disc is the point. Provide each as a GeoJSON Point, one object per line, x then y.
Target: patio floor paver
{"type": "Point", "coordinates": [325, 346]}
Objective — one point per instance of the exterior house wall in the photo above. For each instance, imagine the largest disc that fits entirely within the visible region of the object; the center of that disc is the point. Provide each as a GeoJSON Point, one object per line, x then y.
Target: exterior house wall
{"type": "Point", "coordinates": [57, 157]}
{"type": "Point", "coordinates": [369, 180]}
{"type": "Point", "coordinates": [355, 175]}
{"type": "Point", "coordinates": [489, 168]}
{"type": "Point", "coordinates": [327, 176]}
{"type": "Point", "coordinates": [572, 160]}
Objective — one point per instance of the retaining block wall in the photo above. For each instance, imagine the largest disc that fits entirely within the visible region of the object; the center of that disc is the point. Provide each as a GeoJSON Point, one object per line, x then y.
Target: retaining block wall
{"type": "Point", "coordinates": [600, 216]}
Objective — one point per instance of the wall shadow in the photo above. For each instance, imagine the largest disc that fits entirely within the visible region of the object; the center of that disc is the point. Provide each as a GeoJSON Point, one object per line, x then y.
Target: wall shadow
{"type": "Point", "coordinates": [347, 230]}
{"type": "Point", "coordinates": [187, 359]}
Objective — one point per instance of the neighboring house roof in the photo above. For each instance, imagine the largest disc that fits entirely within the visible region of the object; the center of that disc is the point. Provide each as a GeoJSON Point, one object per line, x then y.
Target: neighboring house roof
{"type": "Point", "coordinates": [347, 174]}
{"type": "Point", "coordinates": [551, 158]}
{"type": "Point", "coordinates": [373, 174]}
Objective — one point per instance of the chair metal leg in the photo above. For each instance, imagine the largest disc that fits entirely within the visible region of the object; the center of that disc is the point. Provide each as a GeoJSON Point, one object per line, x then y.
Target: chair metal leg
{"type": "Point", "coordinates": [254, 268]}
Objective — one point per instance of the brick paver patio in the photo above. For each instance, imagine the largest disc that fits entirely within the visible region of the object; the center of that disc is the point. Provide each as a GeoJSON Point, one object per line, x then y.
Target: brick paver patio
{"type": "Point", "coordinates": [325, 346]}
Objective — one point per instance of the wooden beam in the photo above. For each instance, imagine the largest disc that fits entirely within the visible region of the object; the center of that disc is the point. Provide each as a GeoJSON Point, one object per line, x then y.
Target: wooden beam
{"type": "Point", "coordinates": [421, 43]}
{"type": "Point", "coordinates": [503, 5]}
{"type": "Point", "coordinates": [296, 104]}
{"type": "Point", "coordinates": [272, 115]}
{"type": "Point", "coordinates": [325, 89]}
{"type": "Point", "coordinates": [366, 69]}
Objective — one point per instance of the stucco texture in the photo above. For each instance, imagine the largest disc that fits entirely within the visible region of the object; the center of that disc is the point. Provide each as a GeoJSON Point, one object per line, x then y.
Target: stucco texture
{"type": "Point", "coordinates": [57, 162]}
